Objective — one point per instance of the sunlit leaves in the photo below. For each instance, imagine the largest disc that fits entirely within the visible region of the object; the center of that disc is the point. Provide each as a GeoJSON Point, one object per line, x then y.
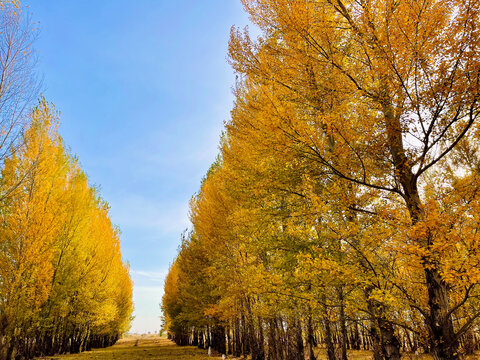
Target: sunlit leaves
{"type": "Point", "coordinates": [349, 172]}
{"type": "Point", "coordinates": [61, 269]}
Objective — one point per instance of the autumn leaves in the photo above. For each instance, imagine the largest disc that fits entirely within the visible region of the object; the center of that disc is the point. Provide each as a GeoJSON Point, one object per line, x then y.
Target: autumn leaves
{"type": "Point", "coordinates": [63, 284]}
{"type": "Point", "coordinates": [345, 196]}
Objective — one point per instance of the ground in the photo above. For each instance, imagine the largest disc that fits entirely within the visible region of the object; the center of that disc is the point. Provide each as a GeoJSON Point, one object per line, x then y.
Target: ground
{"type": "Point", "coordinates": [156, 348]}
{"type": "Point", "coordinates": [142, 348]}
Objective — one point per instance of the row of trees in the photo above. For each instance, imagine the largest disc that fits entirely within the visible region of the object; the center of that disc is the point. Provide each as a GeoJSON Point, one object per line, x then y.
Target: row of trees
{"type": "Point", "coordinates": [63, 284]}
{"type": "Point", "coordinates": [344, 207]}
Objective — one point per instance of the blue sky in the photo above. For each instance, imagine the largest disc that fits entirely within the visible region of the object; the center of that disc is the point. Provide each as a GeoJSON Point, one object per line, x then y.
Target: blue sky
{"type": "Point", "coordinates": [143, 88]}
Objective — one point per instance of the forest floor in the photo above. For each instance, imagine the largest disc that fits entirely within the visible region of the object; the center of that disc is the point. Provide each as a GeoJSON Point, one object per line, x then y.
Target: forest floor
{"type": "Point", "coordinates": [156, 348]}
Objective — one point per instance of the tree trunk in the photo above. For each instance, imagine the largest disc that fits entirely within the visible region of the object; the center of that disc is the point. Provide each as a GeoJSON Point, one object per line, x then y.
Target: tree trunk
{"type": "Point", "coordinates": [343, 327]}
{"type": "Point", "coordinates": [355, 336]}
{"type": "Point", "coordinates": [328, 339]}
{"type": "Point", "coordinates": [229, 340]}
{"type": "Point", "coordinates": [443, 339]}
{"type": "Point", "coordinates": [311, 343]}
{"type": "Point", "coordinates": [385, 342]}
{"type": "Point", "coordinates": [237, 350]}
{"type": "Point", "coordinates": [442, 336]}
{"type": "Point", "coordinates": [274, 343]}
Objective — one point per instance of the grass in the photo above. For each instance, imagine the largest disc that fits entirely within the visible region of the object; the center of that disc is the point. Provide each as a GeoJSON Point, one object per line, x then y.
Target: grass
{"type": "Point", "coordinates": [367, 355]}
{"type": "Point", "coordinates": [321, 354]}
{"type": "Point", "coordinates": [156, 348]}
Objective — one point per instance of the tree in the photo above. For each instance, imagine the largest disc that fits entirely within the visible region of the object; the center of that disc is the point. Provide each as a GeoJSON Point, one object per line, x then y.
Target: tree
{"type": "Point", "coordinates": [19, 84]}
{"type": "Point", "coordinates": [396, 87]}
{"type": "Point", "coordinates": [63, 284]}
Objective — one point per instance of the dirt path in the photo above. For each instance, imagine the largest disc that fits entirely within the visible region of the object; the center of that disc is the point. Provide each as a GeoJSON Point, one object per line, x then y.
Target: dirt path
{"type": "Point", "coordinates": [140, 349]}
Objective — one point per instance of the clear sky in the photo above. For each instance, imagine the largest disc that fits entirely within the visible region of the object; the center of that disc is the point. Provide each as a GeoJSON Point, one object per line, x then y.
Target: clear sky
{"type": "Point", "coordinates": [143, 87]}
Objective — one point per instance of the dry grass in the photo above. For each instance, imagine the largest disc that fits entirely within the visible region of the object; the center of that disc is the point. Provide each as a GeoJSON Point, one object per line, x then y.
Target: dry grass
{"type": "Point", "coordinates": [156, 348]}
{"type": "Point", "coordinates": [367, 355]}
{"type": "Point", "coordinates": [153, 348]}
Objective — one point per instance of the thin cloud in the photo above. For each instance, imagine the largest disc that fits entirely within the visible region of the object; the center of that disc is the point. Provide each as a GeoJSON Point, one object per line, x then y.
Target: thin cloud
{"type": "Point", "coordinates": [157, 276]}
{"type": "Point", "coordinates": [138, 212]}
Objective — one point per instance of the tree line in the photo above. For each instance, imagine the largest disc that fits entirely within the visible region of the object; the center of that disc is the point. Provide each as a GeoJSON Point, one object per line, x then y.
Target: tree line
{"type": "Point", "coordinates": [343, 208]}
{"type": "Point", "coordinates": [63, 284]}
